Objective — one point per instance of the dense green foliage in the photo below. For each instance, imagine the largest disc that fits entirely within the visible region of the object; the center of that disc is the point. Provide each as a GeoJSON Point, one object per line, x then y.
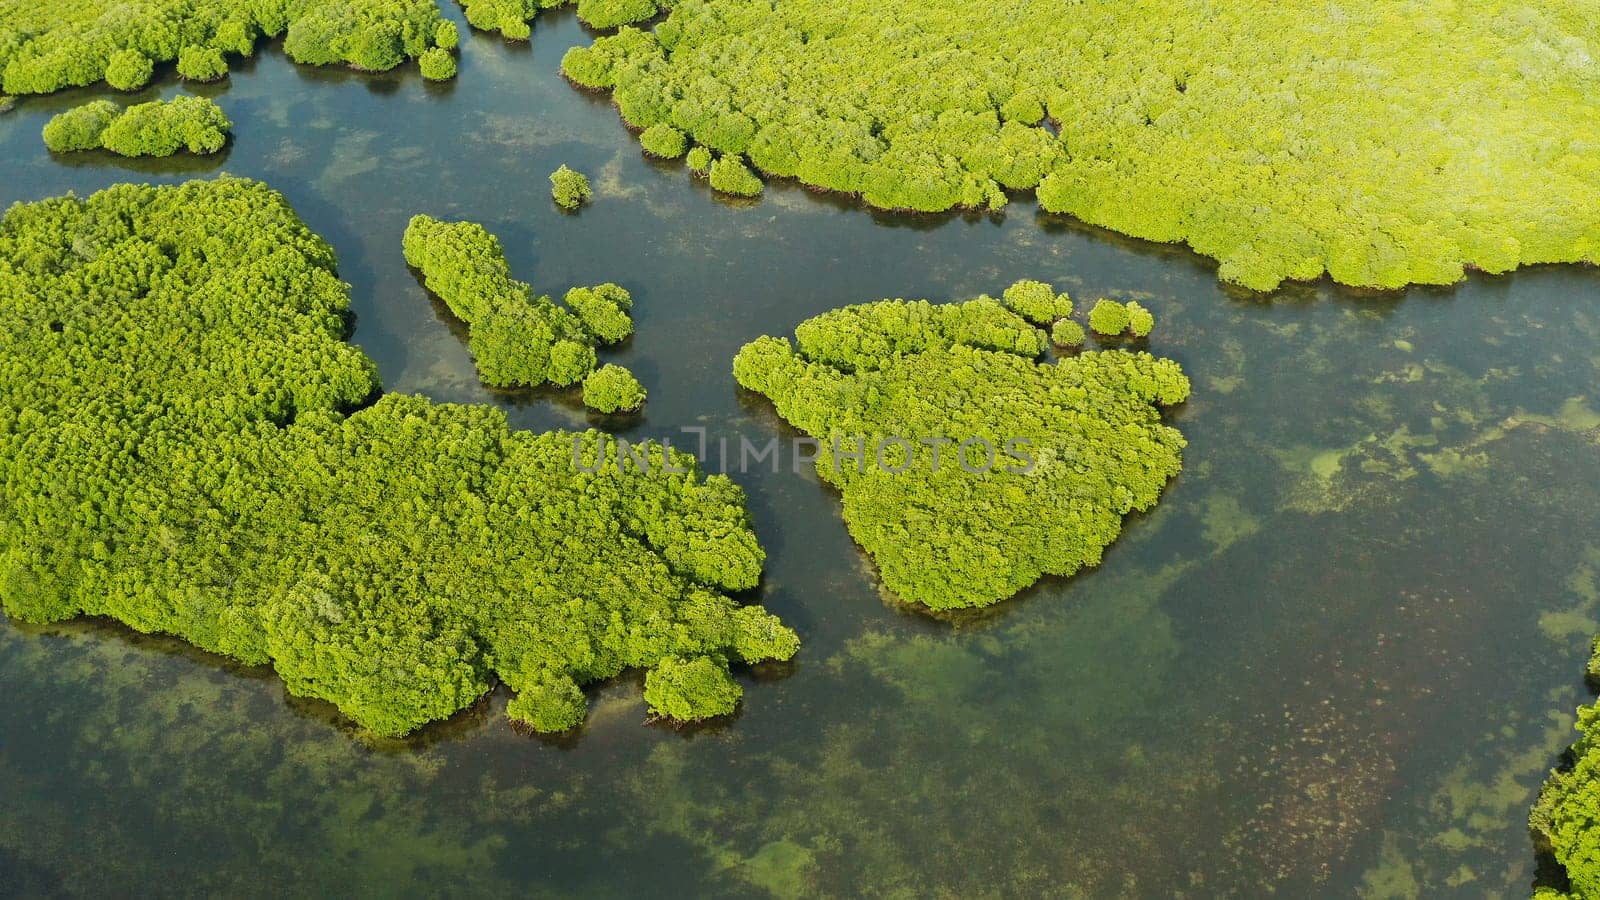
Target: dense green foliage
{"type": "Point", "coordinates": [45, 47]}
{"type": "Point", "coordinates": [446, 36]}
{"type": "Point", "coordinates": [569, 188]}
{"type": "Point", "coordinates": [611, 389]}
{"type": "Point", "coordinates": [1037, 302]}
{"type": "Point", "coordinates": [699, 160]}
{"type": "Point", "coordinates": [518, 338]}
{"type": "Point", "coordinates": [80, 128]}
{"type": "Point", "coordinates": [1067, 333]}
{"type": "Point", "coordinates": [186, 447]}
{"type": "Point", "coordinates": [1380, 144]}
{"type": "Point", "coordinates": [437, 64]}
{"type": "Point", "coordinates": [157, 128]}
{"type": "Point", "coordinates": [512, 18]}
{"type": "Point", "coordinates": [1140, 320]}
{"type": "Point", "coordinates": [129, 70]}
{"type": "Point", "coordinates": [691, 689]}
{"type": "Point", "coordinates": [614, 13]}
{"type": "Point", "coordinates": [981, 516]}
{"type": "Point", "coordinates": [603, 309]}
{"type": "Point", "coordinates": [1108, 318]}
{"type": "Point", "coordinates": [1566, 820]}
{"type": "Point", "coordinates": [664, 141]}
{"type": "Point", "coordinates": [202, 64]}
{"type": "Point", "coordinates": [729, 175]}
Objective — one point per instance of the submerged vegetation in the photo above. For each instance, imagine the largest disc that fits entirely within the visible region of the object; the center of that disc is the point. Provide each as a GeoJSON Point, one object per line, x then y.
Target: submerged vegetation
{"type": "Point", "coordinates": [157, 128]}
{"type": "Point", "coordinates": [1230, 132]}
{"type": "Point", "coordinates": [45, 47]}
{"type": "Point", "coordinates": [190, 447]}
{"type": "Point", "coordinates": [518, 338]}
{"type": "Point", "coordinates": [969, 468]}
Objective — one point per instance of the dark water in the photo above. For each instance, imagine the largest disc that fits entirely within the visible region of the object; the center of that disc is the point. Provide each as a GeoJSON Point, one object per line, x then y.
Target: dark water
{"type": "Point", "coordinates": [1338, 657]}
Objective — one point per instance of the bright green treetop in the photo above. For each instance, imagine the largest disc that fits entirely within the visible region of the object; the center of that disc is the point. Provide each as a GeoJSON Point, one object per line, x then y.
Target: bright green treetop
{"type": "Point", "coordinates": [612, 389]}
{"type": "Point", "coordinates": [569, 188]}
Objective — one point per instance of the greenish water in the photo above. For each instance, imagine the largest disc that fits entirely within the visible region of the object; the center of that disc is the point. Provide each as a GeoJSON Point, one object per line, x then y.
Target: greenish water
{"type": "Point", "coordinates": [1339, 656]}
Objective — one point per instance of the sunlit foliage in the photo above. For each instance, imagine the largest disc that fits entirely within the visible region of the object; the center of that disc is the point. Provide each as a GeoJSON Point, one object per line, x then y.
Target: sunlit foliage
{"type": "Point", "coordinates": [45, 47]}
{"type": "Point", "coordinates": [437, 64]}
{"type": "Point", "coordinates": [1037, 302]}
{"type": "Point", "coordinates": [604, 311]}
{"type": "Point", "coordinates": [612, 389]}
{"type": "Point", "coordinates": [129, 70]}
{"type": "Point", "coordinates": [688, 689]}
{"type": "Point", "coordinates": [202, 64]}
{"type": "Point", "coordinates": [1140, 320]}
{"type": "Point", "coordinates": [1108, 318]}
{"type": "Point", "coordinates": [513, 18]}
{"type": "Point", "coordinates": [968, 467]}
{"type": "Point", "coordinates": [518, 338]}
{"type": "Point", "coordinates": [663, 141]}
{"type": "Point", "coordinates": [157, 128]}
{"type": "Point", "coordinates": [729, 175]}
{"type": "Point", "coordinates": [446, 36]}
{"type": "Point", "coordinates": [80, 128]}
{"type": "Point", "coordinates": [1566, 820]}
{"type": "Point", "coordinates": [569, 188]}
{"type": "Point", "coordinates": [699, 160]}
{"type": "Point", "coordinates": [188, 445]}
{"type": "Point", "coordinates": [1067, 333]}
{"type": "Point", "coordinates": [1380, 144]}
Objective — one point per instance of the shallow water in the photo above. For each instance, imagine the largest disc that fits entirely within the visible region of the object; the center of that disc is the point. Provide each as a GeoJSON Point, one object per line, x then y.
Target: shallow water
{"type": "Point", "coordinates": [1339, 656]}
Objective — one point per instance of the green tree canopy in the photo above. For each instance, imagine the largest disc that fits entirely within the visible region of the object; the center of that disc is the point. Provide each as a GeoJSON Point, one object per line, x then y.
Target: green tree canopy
{"type": "Point", "coordinates": [188, 445]}
{"type": "Point", "coordinates": [518, 338]}
{"type": "Point", "coordinates": [611, 389]}
{"type": "Point", "coordinates": [968, 467]}
{"type": "Point", "coordinates": [569, 188]}
{"type": "Point", "coordinates": [1379, 145]}
{"type": "Point", "coordinates": [157, 128]}
{"type": "Point", "coordinates": [45, 47]}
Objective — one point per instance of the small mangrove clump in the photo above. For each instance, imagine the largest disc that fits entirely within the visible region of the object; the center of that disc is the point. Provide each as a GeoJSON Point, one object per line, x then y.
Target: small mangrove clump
{"type": "Point", "coordinates": [1067, 333]}
{"type": "Point", "coordinates": [437, 64]}
{"type": "Point", "coordinates": [729, 175]}
{"type": "Point", "coordinates": [613, 389]}
{"type": "Point", "coordinates": [663, 141]}
{"type": "Point", "coordinates": [1037, 302]}
{"type": "Point", "coordinates": [1108, 318]}
{"type": "Point", "coordinates": [569, 188]}
{"type": "Point", "coordinates": [157, 128]}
